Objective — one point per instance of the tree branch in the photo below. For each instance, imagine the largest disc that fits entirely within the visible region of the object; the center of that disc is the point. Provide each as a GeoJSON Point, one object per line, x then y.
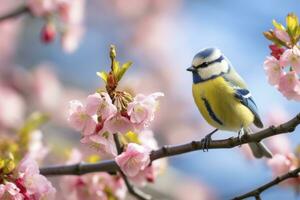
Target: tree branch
{"type": "Point", "coordinates": [15, 13]}
{"type": "Point", "coordinates": [171, 150]}
{"type": "Point", "coordinates": [256, 193]}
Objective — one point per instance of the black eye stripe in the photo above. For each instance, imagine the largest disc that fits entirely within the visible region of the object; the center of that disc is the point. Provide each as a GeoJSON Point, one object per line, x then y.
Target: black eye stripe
{"type": "Point", "coordinates": [205, 64]}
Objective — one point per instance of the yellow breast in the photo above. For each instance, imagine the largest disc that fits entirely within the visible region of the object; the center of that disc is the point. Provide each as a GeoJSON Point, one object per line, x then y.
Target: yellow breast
{"type": "Point", "coordinates": [216, 101]}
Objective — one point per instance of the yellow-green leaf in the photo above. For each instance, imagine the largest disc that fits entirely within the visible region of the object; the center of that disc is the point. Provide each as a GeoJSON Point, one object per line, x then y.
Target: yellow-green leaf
{"type": "Point", "coordinates": [116, 67]}
{"type": "Point", "coordinates": [102, 75]}
{"type": "Point", "coordinates": [278, 25]}
{"type": "Point", "coordinates": [292, 23]}
{"type": "Point", "coordinates": [123, 69]}
{"type": "Point", "coordinates": [9, 166]}
{"type": "Point", "coordinates": [2, 163]}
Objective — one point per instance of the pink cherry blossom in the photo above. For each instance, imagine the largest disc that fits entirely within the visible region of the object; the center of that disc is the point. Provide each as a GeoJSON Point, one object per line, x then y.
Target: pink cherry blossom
{"type": "Point", "coordinates": [12, 107]}
{"type": "Point", "coordinates": [147, 139]}
{"type": "Point", "coordinates": [149, 174]}
{"type": "Point", "coordinates": [280, 144]}
{"type": "Point", "coordinates": [291, 57]}
{"type": "Point", "coordinates": [71, 38]}
{"type": "Point", "coordinates": [72, 14]}
{"type": "Point", "coordinates": [273, 70]}
{"type": "Point", "coordinates": [289, 86]}
{"type": "Point", "coordinates": [46, 87]}
{"type": "Point", "coordinates": [10, 191]}
{"type": "Point", "coordinates": [119, 124]}
{"type": "Point", "coordinates": [282, 35]}
{"type": "Point", "coordinates": [141, 110]}
{"type": "Point", "coordinates": [71, 11]}
{"type": "Point", "coordinates": [134, 160]}
{"type": "Point", "coordinates": [143, 177]}
{"type": "Point", "coordinates": [36, 149]}
{"type": "Point", "coordinates": [91, 186]}
{"type": "Point", "coordinates": [102, 141]}
{"type": "Point", "coordinates": [37, 186]}
{"type": "Point", "coordinates": [281, 164]}
{"type": "Point", "coordinates": [41, 7]}
{"type": "Point", "coordinates": [101, 105]}
{"type": "Point", "coordinates": [80, 120]}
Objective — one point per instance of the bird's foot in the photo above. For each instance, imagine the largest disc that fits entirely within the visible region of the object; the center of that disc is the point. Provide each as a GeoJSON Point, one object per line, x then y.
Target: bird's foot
{"type": "Point", "coordinates": [207, 140]}
{"type": "Point", "coordinates": [240, 135]}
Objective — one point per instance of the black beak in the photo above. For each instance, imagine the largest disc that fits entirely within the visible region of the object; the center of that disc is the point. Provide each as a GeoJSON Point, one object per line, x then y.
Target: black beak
{"type": "Point", "coordinates": [191, 69]}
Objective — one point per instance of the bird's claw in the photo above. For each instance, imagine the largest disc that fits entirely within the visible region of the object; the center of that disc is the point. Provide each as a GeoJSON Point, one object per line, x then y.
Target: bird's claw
{"type": "Point", "coordinates": [206, 142]}
{"type": "Point", "coordinates": [240, 135]}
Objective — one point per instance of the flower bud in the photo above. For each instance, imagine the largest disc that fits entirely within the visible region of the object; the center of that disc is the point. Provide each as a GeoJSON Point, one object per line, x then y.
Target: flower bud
{"type": "Point", "coordinates": [48, 33]}
{"type": "Point", "coordinates": [112, 52]}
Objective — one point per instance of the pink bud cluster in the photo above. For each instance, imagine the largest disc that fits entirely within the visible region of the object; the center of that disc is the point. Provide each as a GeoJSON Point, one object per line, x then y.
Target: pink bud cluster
{"type": "Point", "coordinates": [99, 185]}
{"type": "Point", "coordinates": [99, 118]}
{"type": "Point", "coordinates": [283, 69]}
{"type": "Point", "coordinates": [64, 16]}
{"type": "Point", "coordinates": [26, 183]}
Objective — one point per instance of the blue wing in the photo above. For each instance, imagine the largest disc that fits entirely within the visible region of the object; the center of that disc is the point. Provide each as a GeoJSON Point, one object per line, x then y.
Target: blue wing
{"type": "Point", "coordinates": [243, 94]}
{"type": "Point", "coordinates": [245, 97]}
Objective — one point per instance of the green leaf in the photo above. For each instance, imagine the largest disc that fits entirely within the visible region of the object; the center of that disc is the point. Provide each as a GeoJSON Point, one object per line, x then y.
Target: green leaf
{"type": "Point", "coordinates": [116, 67]}
{"type": "Point", "coordinates": [292, 23]}
{"type": "Point", "coordinates": [9, 166]}
{"type": "Point", "coordinates": [278, 25]}
{"type": "Point", "coordinates": [123, 69]}
{"type": "Point", "coordinates": [102, 75]}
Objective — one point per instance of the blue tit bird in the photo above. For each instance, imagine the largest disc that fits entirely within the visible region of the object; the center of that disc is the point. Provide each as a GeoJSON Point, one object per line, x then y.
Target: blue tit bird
{"type": "Point", "coordinates": [222, 97]}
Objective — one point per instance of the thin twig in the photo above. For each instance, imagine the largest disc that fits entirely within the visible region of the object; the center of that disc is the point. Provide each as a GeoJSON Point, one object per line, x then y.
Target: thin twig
{"type": "Point", "coordinates": [118, 144]}
{"type": "Point", "coordinates": [15, 13]}
{"type": "Point", "coordinates": [131, 189]}
{"type": "Point", "coordinates": [256, 193]}
{"type": "Point", "coordinates": [172, 150]}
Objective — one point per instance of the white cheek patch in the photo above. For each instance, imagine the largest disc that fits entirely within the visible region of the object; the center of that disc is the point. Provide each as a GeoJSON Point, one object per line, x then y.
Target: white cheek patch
{"type": "Point", "coordinates": [214, 69]}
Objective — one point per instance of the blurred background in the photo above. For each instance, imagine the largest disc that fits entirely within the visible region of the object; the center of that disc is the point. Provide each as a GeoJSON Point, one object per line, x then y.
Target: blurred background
{"type": "Point", "coordinates": [160, 38]}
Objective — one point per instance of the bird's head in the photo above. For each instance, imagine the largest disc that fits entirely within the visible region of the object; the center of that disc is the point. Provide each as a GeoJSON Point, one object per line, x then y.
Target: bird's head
{"type": "Point", "coordinates": [209, 63]}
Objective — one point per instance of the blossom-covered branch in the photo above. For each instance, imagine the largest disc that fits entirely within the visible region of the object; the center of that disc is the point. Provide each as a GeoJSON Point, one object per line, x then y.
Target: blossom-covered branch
{"type": "Point", "coordinates": [15, 13]}
{"type": "Point", "coordinates": [256, 193]}
{"type": "Point", "coordinates": [167, 151]}
{"type": "Point", "coordinates": [283, 66]}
